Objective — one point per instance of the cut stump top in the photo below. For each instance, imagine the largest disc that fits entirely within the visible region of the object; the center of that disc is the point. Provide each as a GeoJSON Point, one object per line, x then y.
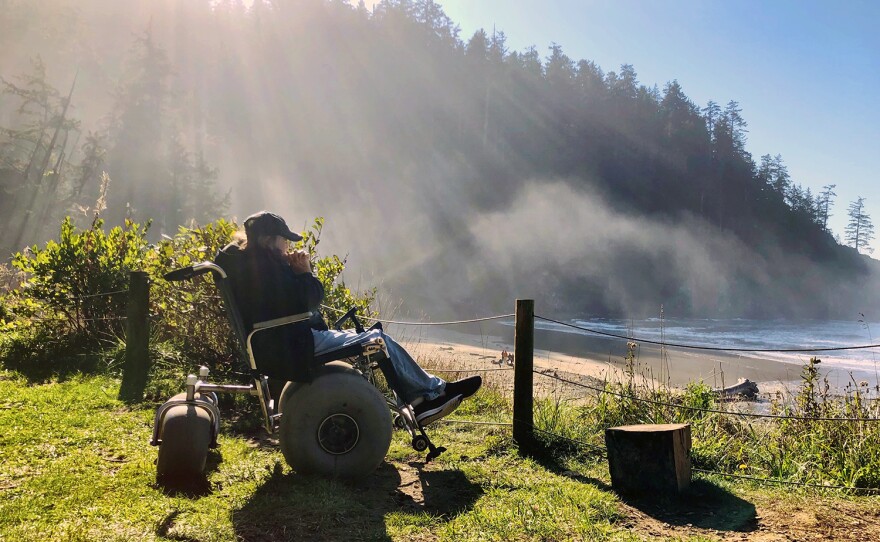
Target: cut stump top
{"type": "Point", "coordinates": [649, 427]}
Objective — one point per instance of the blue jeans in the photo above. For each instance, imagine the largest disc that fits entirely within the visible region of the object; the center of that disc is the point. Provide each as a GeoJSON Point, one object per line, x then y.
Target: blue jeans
{"type": "Point", "coordinates": [412, 381]}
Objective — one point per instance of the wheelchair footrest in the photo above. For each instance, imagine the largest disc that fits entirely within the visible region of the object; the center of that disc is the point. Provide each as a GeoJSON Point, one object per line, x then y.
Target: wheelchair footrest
{"type": "Point", "coordinates": [420, 441]}
{"type": "Point", "coordinates": [434, 453]}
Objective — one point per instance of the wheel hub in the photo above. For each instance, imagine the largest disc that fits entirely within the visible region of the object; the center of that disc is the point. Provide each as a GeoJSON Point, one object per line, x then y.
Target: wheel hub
{"type": "Point", "coordinates": [338, 434]}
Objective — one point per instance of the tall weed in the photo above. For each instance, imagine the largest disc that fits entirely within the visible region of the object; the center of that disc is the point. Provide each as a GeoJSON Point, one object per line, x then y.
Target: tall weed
{"type": "Point", "coordinates": [803, 446]}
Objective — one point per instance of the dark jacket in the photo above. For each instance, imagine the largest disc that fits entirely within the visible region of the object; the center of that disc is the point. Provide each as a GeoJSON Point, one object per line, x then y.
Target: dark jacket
{"type": "Point", "coordinates": [266, 288]}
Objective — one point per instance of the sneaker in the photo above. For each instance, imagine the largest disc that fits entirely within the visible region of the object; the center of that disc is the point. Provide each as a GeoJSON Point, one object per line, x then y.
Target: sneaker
{"type": "Point", "coordinates": [431, 411]}
{"type": "Point", "coordinates": [464, 387]}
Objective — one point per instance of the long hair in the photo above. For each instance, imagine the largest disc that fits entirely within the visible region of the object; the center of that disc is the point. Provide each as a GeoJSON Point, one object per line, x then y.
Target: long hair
{"type": "Point", "coordinates": [263, 242]}
{"type": "Point", "coordinates": [239, 238]}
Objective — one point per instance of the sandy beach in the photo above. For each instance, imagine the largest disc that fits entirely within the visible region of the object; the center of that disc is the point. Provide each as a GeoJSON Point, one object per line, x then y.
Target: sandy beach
{"type": "Point", "coordinates": [587, 359]}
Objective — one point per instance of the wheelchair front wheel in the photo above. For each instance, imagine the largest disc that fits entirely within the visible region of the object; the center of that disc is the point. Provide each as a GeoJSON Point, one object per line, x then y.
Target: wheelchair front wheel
{"type": "Point", "coordinates": [420, 443]}
{"type": "Point", "coordinates": [338, 425]}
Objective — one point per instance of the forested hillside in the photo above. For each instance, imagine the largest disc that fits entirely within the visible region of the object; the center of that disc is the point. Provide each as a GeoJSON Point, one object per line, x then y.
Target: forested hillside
{"type": "Point", "coordinates": [458, 173]}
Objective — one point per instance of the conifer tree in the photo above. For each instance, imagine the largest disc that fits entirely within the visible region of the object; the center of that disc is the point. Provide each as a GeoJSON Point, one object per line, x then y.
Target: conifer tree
{"type": "Point", "coordinates": [859, 230]}
{"type": "Point", "coordinates": [30, 151]}
{"type": "Point", "coordinates": [780, 180]}
{"type": "Point", "coordinates": [737, 125]}
{"type": "Point", "coordinates": [23, 144]}
{"type": "Point", "coordinates": [589, 79]}
{"type": "Point", "coordinates": [824, 203]}
{"type": "Point", "coordinates": [712, 113]}
{"type": "Point", "coordinates": [139, 129]}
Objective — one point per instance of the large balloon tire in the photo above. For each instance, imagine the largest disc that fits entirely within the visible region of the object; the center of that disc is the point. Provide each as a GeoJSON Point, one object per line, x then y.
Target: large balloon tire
{"type": "Point", "coordinates": [339, 425]}
{"type": "Point", "coordinates": [185, 438]}
{"type": "Point", "coordinates": [327, 368]}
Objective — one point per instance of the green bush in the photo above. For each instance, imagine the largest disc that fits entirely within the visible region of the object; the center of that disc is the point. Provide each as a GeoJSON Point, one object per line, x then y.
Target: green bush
{"type": "Point", "coordinates": [39, 354]}
{"type": "Point", "coordinates": [53, 314]}
{"type": "Point", "coordinates": [64, 281]}
{"type": "Point", "coordinates": [55, 305]}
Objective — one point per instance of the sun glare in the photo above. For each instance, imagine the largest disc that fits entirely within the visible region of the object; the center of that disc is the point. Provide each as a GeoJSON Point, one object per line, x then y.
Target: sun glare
{"type": "Point", "coordinates": [369, 3]}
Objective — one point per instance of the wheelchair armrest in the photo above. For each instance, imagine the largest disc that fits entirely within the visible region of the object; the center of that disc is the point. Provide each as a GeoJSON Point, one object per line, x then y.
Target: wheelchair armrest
{"type": "Point", "coordinates": [269, 324]}
{"type": "Point", "coordinates": [284, 320]}
{"type": "Point", "coordinates": [374, 349]}
{"type": "Point", "coordinates": [350, 315]}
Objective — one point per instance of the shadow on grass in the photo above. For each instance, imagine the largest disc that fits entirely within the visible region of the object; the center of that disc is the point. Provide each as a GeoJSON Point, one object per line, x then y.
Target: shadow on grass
{"type": "Point", "coordinates": [189, 488]}
{"type": "Point", "coordinates": [703, 505]}
{"type": "Point", "coordinates": [165, 526]}
{"type": "Point", "coordinates": [298, 507]}
{"type": "Point", "coordinates": [552, 453]}
{"type": "Point", "coordinates": [42, 367]}
{"type": "Point", "coordinates": [445, 493]}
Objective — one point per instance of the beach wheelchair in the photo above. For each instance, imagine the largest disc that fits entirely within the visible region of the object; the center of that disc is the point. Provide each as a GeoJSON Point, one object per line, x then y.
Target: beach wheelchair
{"type": "Point", "coordinates": [337, 424]}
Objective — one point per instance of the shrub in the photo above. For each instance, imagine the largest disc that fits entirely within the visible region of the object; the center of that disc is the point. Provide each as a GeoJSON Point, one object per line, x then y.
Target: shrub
{"type": "Point", "coordinates": [58, 298]}
{"type": "Point", "coordinates": [65, 281]}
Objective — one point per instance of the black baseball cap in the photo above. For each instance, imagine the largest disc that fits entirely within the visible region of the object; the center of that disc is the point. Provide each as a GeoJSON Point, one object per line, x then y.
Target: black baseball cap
{"type": "Point", "coordinates": [266, 223]}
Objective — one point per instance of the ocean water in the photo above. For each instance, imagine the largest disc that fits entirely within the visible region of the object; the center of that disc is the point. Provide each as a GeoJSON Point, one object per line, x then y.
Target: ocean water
{"type": "Point", "coordinates": [756, 335]}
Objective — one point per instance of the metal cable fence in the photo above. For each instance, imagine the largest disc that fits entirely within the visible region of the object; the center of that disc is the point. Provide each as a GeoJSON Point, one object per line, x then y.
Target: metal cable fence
{"type": "Point", "coordinates": [705, 410]}
{"type": "Point", "coordinates": [75, 298]}
{"type": "Point", "coordinates": [600, 389]}
{"type": "Point", "coordinates": [414, 323]}
{"type": "Point", "coordinates": [604, 389]}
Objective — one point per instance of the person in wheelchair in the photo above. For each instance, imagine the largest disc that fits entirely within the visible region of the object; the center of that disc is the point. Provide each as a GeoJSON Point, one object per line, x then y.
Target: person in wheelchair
{"type": "Point", "coordinates": [269, 282]}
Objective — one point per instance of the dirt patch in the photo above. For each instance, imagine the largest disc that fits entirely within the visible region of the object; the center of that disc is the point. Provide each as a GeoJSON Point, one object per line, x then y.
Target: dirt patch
{"type": "Point", "coordinates": [719, 515]}
{"type": "Point", "coordinates": [708, 511]}
{"type": "Point", "coordinates": [819, 519]}
{"type": "Point", "coordinates": [431, 489]}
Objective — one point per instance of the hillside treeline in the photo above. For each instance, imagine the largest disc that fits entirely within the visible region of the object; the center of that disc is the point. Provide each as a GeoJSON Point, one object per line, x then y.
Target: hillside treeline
{"type": "Point", "coordinates": [394, 120]}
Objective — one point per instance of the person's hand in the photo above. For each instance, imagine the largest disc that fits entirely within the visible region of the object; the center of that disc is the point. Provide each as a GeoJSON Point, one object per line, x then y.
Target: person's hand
{"type": "Point", "coordinates": [299, 261]}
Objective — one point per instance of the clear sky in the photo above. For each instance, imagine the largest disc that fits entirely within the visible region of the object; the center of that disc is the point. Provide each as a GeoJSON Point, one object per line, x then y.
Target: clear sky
{"type": "Point", "coordinates": [806, 73]}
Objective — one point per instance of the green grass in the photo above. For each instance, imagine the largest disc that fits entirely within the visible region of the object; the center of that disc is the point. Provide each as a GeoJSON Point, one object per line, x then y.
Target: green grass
{"type": "Point", "coordinates": [75, 465]}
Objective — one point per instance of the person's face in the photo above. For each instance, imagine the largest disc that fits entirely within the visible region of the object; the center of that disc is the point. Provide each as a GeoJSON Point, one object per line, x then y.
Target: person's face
{"type": "Point", "coordinates": [280, 244]}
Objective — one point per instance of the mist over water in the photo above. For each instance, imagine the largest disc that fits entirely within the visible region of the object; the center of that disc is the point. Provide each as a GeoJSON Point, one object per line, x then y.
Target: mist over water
{"type": "Point", "coordinates": [757, 336]}
{"type": "Point", "coordinates": [575, 254]}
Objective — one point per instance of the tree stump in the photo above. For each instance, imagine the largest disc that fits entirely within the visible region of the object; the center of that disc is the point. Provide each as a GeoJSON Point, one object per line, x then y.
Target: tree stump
{"type": "Point", "coordinates": [649, 458]}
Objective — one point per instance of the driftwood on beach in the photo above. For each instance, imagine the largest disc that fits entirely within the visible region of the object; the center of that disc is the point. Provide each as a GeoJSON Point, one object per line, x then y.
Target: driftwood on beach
{"type": "Point", "coordinates": [744, 388]}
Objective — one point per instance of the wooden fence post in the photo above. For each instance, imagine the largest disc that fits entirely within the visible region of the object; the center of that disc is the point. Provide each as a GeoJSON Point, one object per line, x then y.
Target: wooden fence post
{"type": "Point", "coordinates": [137, 339]}
{"type": "Point", "coordinates": [523, 396]}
